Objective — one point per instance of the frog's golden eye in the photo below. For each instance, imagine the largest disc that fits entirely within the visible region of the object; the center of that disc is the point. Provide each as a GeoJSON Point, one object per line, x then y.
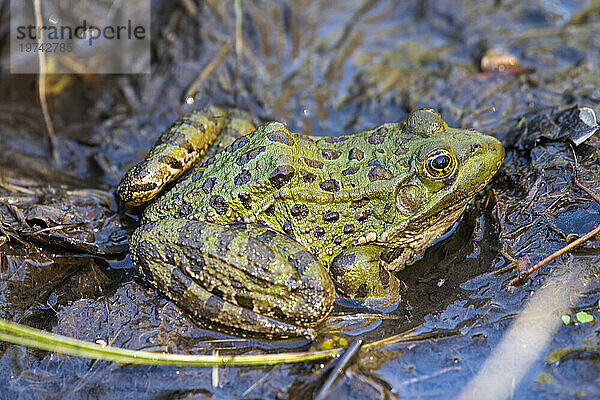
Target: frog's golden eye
{"type": "Point", "coordinates": [440, 164]}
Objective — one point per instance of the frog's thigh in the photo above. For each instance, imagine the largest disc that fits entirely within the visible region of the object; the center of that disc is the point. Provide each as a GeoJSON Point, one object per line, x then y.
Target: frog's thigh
{"type": "Point", "coordinates": [358, 273]}
{"type": "Point", "coordinates": [237, 275]}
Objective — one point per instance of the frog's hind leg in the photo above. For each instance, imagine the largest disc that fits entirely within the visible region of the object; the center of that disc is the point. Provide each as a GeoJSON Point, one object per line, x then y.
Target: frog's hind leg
{"type": "Point", "coordinates": [178, 148]}
{"type": "Point", "coordinates": [238, 277]}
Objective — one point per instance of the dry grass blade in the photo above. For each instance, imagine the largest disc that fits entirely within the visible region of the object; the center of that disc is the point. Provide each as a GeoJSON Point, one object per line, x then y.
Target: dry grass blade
{"type": "Point", "coordinates": [239, 45]}
{"type": "Point", "coordinates": [42, 85]}
{"type": "Point", "coordinates": [19, 334]}
{"type": "Point", "coordinates": [190, 7]}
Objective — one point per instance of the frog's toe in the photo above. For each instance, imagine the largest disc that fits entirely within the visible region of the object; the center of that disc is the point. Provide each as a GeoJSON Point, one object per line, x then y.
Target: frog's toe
{"type": "Point", "coordinates": [358, 273]}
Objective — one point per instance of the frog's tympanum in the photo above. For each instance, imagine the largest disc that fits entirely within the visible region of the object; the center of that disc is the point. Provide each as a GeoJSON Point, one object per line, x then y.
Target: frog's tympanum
{"type": "Point", "coordinates": [262, 226]}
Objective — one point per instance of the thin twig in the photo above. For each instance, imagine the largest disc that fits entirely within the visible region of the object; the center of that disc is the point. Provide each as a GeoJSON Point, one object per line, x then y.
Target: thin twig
{"type": "Point", "coordinates": [524, 275]}
{"type": "Point", "coordinates": [42, 86]}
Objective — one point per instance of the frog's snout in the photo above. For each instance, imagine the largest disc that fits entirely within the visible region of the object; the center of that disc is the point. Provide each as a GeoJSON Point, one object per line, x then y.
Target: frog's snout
{"type": "Point", "coordinates": [495, 151]}
{"type": "Point", "coordinates": [489, 155]}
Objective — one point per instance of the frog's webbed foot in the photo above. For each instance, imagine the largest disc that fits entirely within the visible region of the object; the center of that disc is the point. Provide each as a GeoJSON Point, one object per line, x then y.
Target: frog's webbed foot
{"type": "Point", "coordinates": [181, 146]}
{"type": "Point", "coordinates": [238, 277]}
{"type": "Point", "coordinates": [358, 272]}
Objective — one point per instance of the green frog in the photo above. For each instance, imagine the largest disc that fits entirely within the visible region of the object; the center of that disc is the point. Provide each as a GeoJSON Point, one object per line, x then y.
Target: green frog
{"type": "Point", "coordinates": [254, 230]}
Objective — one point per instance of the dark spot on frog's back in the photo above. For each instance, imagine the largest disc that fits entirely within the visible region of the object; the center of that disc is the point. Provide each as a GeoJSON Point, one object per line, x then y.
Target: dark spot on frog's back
{"type": "Point", "coordinates": [359, 203]}
{"type": "Point", "coordinates": [331, 216]}
{"type": "Point", "coordinates": [378, 136]}
{"type": "Point", "coordinates": [364, 215]}
{"type": "Point", "coordinates": [373, 139]}
{"type": "Point", "coordinates": [330, 154]}
{"type": "Point", "coordinates": [239, 143]}
{"type": "Point", "coordinates": [242, 178]}
{"type": "Point", "coordinates": [349, 228]}
{"type": "Point", "coordinates": [313, 163]}
{"type": "Point", "coordinates": [319, 231]}
{"type": "Point", "coordinates": [379, 174]}
{"type": "Point", "coordinates": [301, 261]}
{"type": "Point", "coordinates": [270, 210]}
{"type": "Point", "coordinates": [245, 302]}
{"type": "Point", "coordinates": [281, 175]}
{"type": "Point", "coordinates": [299, 211]}
{"type": "Point", "coordinates": [246, 200]}
{"type": "Point", "coordinates": [219, 204]}
{"type": "Point", "coordinates": [197, 175]}
{"type": "Point", "coordinates": [336, 139]}
{"type": "Point", "coordinates": [330, 185]}
{"type": "Point", "coordinates": [280, 137]}
{"type": "Point", "coordinates": [351, 170]}
{"type": "Point", "coordinates": [184, 210]}
{"type": "Point", "coordinates": [307, 177]}
{"type": "Point", "coordinates": [210, 161]}
{"type": "Point", "coordinates": [344, 260]}
{"type": "Point", "coordinates": [400, 151]}
{"type": "Point", "coordinates": [356, 154]}
{"type": "Point", "coordinates": [208, 184]}
{"type": "Point", "coordinates": [249, 155]}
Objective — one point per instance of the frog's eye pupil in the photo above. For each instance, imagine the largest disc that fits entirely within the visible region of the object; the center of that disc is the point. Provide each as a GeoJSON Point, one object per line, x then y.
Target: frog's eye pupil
{"type": "Point", "coordinates": [440, 164]}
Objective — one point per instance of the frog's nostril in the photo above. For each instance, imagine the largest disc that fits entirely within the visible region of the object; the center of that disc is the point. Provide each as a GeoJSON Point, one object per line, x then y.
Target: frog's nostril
{"type": "Point", "coordinates": [474, 147]}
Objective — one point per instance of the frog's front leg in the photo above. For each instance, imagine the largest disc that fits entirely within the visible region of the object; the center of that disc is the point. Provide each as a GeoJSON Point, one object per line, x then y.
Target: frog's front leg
{"type": "Point", "coordinates": [359, 272]}
{"type": "Point", "coordinates": [236, 277]}
{"type": "Point", "coordinates": [178, 148]}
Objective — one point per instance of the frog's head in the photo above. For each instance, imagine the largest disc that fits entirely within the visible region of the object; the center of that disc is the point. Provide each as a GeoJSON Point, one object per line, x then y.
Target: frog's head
{"type": "Point", "coordinates": [448, 167]}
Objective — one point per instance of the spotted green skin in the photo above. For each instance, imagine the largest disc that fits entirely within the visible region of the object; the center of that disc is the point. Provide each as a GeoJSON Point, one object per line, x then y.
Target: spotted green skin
{"type": "Point", "coordinates": [258, 237]}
